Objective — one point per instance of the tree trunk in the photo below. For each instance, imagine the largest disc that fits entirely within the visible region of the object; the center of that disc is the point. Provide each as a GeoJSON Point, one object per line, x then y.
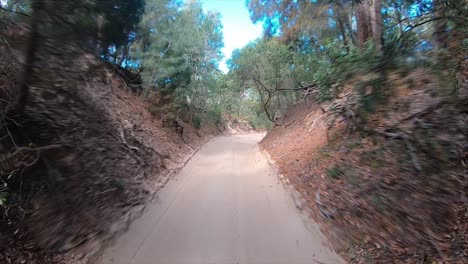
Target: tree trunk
{"type": "Point", "coordinates": [440, 24]}
{"type": "Point", "coordinates": [99, 40]}
{"type": "Point", "coordinates": [339, 17]}
{"type": "Point", "coordinates": [266, 104]}
{"type": "Point", "coordinates": [115, 56]}
{"type": "Point", "coordinates": [338, 14]}
{"type": "Point", "coordinates": [350, 30]}
{"type": "Point", "coordinates": [125, 54]}
{"type": "Point", "coordinates": [376, 21]}
{"type": "Point", "coordinates": [364, 29]}
{"type": "Point", "coordinates": [26, 75]}
{"type": "Point", "coordinates": [343, 34]}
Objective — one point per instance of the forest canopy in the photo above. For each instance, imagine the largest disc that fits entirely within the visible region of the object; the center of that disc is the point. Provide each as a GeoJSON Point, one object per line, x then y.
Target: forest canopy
{"type": "Point", "coordinates": [309, 48]}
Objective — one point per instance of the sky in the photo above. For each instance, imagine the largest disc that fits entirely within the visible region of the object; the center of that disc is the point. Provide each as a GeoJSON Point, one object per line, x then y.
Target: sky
{"type": "Point", "coordinates": [238, 29]}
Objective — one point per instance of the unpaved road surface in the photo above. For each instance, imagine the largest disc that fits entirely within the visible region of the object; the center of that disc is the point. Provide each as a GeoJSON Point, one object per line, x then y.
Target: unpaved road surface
{"type": "Point", "coordinates": [226, 206]}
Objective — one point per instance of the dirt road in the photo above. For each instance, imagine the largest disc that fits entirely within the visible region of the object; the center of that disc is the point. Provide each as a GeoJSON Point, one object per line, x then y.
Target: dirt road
{"type": "Point", "coordinates": [226, 206]}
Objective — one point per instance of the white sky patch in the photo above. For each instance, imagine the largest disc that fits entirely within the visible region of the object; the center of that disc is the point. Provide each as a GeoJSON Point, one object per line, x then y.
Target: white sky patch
{"type": "Point", "coordinates": [238, 29]}
{"type": "Point", "coordinates": [236, 37]}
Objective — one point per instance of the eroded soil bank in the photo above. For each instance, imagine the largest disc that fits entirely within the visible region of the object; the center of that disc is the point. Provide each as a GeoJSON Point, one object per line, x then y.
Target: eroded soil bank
{"type": "Point", "coordinates": [82, 161]}
{"type": "Point", "coordinates": [392, 190]}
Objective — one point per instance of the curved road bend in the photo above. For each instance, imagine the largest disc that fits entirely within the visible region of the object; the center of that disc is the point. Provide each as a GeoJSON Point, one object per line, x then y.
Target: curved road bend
{"type": "Point", "coordinates": [225, 206]}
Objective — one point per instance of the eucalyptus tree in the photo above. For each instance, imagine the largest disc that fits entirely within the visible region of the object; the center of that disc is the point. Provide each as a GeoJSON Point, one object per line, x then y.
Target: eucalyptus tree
{"type": "Point", "coordinates": [266, 66]}
{"type": "Point", "coordinates": [179, 43]}
{"type": "Point", "coordinates": [179, 51]}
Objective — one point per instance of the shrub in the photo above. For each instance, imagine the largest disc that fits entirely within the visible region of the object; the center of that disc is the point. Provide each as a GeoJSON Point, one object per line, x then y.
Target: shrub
{"type": "Point", "coordinates": [259, 122]}
{"type": "Point", "coordinates": [215, 116]}
{"type": "Point", "coordinates": [371, 94]}
{"type": "Point", "coordinates": [334, 172]}
{"type": "Point", "coordinates": [196, 122]}
{"type": "Point", "coordinates": [356, 62]}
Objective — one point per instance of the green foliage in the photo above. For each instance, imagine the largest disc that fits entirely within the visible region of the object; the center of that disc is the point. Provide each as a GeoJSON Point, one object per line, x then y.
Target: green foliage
{"type": "Point", "coordinates": [179, 53]}
{"type": "Point", "coordinates": [334, 172]}
{"type": "Point", "coordinates": [356, 62]}
{"type": "Point", "coordinates": [344, 172]}
{"type": "Point", "coordinates": [196, 122]}
{"type": "Point", "coordinates": [266, 67]}
{"type": "Point", "coordinates": [328, 50]}
{"type": "Point", "coordinates": [101, 27]}
{"type": "Point", "coordinates": [294, 19]}
{"type": "Point", "coordinates": [177, 47]}
{"type": "Point", "coordinates": [121, 17]}
{"type": "Point", "coordinates": [4, 191]}
{"type": "Point", "coordinates": [215, 115]}
{"type": "Point", "coordinates": [371, 94]}
{"type": "Point", "coordinates": [3, 197]}
{"type": "Point", "coordinates": [181, 44]}
{"type": "Point", "coordinates": [259, 122]}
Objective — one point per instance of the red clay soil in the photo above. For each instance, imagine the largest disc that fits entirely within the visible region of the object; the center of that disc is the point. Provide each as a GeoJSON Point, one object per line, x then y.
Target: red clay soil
{"type": "Point", "coordinates": [293, 145]}
{"type": "Point", "coordinates": [373, 201]}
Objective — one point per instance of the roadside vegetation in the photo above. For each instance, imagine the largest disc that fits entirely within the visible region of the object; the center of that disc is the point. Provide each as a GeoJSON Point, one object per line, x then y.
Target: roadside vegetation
{"type": "Point", "coordinates": [314, 49]}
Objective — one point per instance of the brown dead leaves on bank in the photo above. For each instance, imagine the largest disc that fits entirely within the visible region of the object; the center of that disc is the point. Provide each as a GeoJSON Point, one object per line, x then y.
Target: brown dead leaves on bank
{"type": "Point", "coordinates": [393, 192]}
{"type": "Point", "coordinates": [93, 156]}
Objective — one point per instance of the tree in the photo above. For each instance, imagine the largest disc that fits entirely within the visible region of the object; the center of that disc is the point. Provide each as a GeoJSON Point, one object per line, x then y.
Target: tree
{"type": "Point", "coordinates": [266, 66]}
{"type": "Point", "coordinates": [377, 24]}
{"type": "Point", "coordinates": [440, 24]}
{"type": "Point", "coordinates": [311, 22]}
{"type": "Point", "coordinates": [25, 79]}
{"type": "Point", "coordinates": [179, 52]}
{"type": "Point", "coordinates": [121, 17]}
{"type": "Point", "coordinates": [369, 22]}
{"type": "Point", "coordinates": [63, 28]}
{"type": "Point", "coordinates": [184, 43]}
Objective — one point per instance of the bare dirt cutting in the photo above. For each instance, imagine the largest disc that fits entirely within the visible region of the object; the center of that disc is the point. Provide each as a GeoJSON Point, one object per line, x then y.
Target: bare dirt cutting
{"type": "Point", "coordinates": [82, 161]}
{"type": "Point", "coordinates": [394, 192]}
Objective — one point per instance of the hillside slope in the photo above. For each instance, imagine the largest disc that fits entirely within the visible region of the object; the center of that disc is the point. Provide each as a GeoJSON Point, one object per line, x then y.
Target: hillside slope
{"type": "Point", "coordinates": [81, 162]}
{"type": "Point", "coordinates": [392, 190]}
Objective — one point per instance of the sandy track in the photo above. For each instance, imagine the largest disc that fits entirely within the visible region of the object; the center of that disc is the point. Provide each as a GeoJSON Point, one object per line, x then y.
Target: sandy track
{"type": "Point", "coordinates": [225, 206]}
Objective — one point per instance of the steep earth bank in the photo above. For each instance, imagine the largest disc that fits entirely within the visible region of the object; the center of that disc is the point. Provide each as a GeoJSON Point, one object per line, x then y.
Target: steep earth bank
{"type": "Point", "coordinates": [82, 161]}
{"type": "Point", "coordinates": [388, 181]}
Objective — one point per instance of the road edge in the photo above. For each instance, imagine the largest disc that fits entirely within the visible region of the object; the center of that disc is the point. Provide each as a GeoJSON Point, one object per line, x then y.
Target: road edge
{"type": "Point", "coordinates": [137, 212]}
{"type": "Point", "coordinates": [299, 201]}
